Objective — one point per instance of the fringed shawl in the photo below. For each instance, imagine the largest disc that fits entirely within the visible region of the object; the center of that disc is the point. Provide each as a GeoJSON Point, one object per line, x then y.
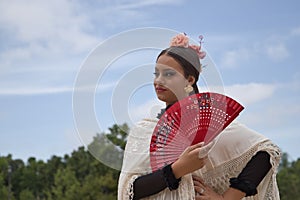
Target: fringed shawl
{"type": "Point", "coordinates": [234, 148]}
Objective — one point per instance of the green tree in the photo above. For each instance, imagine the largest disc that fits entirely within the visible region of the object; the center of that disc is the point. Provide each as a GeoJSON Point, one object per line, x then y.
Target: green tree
{"type": "Point", "coordinates": [100, 187]}
{"type": "Point", "coordinates": [3, 188]}
{"type": "Point", "coordinates": [7, 172]}
{"type": "Point", "coordinates": [3, 175]}
{"type": "Point", "coordinates": [284, 163]}
{"type": "Point", "coordinates": [118, 135]}
{"type": "Point", "coordinates": [80, 162]}
{"type": "Point", "coordinates": [26, 195]}
{"type": "Point", "coordinates": [66, 186]}
{"type": "Point", "coordinates": [32, 177]}
{"type": "Point", "coordinates": [289, 180]}
{"type": "Point", "coordinates": [108, 147]}
{"type": "Point", "coordinates": [55, 163]}
{"type": "Point", "coordinates": [77, 176]}
{"type": "Point", "coordinates": [17, 167]}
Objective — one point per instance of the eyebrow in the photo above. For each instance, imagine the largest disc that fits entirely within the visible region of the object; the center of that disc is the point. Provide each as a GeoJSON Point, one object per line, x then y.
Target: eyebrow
{"type": "Point", "coordinates": [166, 69]}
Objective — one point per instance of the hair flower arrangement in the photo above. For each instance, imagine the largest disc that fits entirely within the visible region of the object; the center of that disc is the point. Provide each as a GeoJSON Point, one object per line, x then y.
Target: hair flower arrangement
{"type": "Point", "coordinates": [181, 40]}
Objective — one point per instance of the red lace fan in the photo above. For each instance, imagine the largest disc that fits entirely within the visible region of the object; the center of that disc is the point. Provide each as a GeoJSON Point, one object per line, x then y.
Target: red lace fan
{"type": "Point", "coordinates": [199, 117]}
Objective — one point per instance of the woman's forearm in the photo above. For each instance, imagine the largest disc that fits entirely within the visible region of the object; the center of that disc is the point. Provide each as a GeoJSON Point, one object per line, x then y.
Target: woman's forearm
{"type": "Point", "coordinates": [149, 184]}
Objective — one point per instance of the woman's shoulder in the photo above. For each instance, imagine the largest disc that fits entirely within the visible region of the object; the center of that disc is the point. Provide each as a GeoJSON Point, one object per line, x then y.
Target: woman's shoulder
{"type": "Point", "coordinates": [237, 137]}
{"type": "Point", "coordinates": [147, 122]}
{"type": "Point", "coordinates": [239, 130]}
{"type": "Point", "coordinates": [144, 126]}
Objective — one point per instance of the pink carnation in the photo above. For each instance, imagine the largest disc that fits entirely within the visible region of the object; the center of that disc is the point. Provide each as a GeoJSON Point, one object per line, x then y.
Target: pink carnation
{"type": "Point", "coordinates": [197, 48]}
{"type": "Point", "coordinates": [180, 40]}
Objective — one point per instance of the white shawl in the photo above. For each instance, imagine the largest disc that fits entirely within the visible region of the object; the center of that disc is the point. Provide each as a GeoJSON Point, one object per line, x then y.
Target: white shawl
{"type": "Point", "coordinates": [234, 148]}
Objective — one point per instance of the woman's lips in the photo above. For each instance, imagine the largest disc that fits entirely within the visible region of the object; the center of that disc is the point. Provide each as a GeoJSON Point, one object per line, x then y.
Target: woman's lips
{"type": "Point", "coordinates": [160, 89]}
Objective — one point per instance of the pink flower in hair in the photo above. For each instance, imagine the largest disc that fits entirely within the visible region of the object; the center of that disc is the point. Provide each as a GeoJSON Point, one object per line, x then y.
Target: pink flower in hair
{"type": "Point", "coordinates": [201, 38]}
{"type": "Point", "coordinates": [197, 48]}
{"type": "Point", "coordinates": [180, 40]}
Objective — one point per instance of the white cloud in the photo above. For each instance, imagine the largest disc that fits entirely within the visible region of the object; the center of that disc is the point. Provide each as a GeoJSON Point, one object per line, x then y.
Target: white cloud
{"type": "Point", "coordinates": [46, 27]}
{"type": "Point", "coordinates": [132, 4]}
{"type": "Point", "coordinates": [34, 90]}
{"type": "Point", "coordinates": [234, 58]}
{"type": "Point", "coordinates": [277, 105]}
{"type": "Point", "coordinates": [102, 87]}
{"type": "Point", "coordinates": [295, 31]}
{"type": "Point", "coordinates": [149, 109]}
{"type": "Point", "coordinates": [42, 39]}
{"type": "Point", "coordinates": [272, 49]}
{"type": "Point", "coordinates": [273, 116]}
{"type": "Point", "coordinates": [57, 22]}
{"type": "Point", "coordinates": [250, 93]}
{"type": "Point", "coordinates": [277, 52]}
{"type": "Point", "coordinates": [236, 51]}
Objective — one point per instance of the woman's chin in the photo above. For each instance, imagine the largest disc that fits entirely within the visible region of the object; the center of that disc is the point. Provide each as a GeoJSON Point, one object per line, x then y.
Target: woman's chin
{"type": "Point", "coordinates": [161, 98]}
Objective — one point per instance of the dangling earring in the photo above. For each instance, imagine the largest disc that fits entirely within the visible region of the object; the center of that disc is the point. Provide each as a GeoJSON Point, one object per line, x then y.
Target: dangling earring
{"type": "Point", "coordinates": [188, 89]}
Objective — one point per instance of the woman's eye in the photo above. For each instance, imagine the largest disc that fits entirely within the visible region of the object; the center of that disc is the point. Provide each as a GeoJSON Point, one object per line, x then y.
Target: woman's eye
{"type": "Point", "coordinates": [168, 74]}
{"type": "Point", "coordinates": [164, 74]}
{"type": "Point", "coordinates": [156, 74]}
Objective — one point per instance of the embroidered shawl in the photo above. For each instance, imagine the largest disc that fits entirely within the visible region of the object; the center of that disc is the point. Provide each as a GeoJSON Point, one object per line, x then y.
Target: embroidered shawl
{"type": "Point", "coordinates": [235, 147]}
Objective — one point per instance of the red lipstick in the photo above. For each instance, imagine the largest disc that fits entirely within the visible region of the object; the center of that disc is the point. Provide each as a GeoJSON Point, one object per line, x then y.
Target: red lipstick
{"type": "Point", "coordinates": [159, 89]}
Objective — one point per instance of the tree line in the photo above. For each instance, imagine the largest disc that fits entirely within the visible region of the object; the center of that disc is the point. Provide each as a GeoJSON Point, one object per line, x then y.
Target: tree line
{"type": "Point", "coordinates": [79, 176]}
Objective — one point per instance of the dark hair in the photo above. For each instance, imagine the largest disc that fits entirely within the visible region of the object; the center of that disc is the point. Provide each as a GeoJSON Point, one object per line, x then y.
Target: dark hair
{"type": "Point", "coordinates": [189, 61]}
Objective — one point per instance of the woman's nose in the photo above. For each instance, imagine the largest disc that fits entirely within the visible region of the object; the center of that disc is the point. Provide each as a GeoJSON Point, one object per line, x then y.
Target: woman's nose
{"type": "Point", "coordinates": [159, 79]}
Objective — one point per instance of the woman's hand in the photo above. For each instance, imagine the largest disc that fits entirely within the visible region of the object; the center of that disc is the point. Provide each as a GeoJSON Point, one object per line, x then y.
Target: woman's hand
{"type": "Point", "coordinates": [204, 192]}
{"type": "Point", "coordinates": [190, 160]}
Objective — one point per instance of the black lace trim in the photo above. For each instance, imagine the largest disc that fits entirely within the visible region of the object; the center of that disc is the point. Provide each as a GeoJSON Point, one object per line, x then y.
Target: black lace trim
{"type": "Point", "coordinates": [162, 111]}
{"type": "Point", "coordinates": [171, 181]}
{"type": "Point", "coordinates": [243, 185]}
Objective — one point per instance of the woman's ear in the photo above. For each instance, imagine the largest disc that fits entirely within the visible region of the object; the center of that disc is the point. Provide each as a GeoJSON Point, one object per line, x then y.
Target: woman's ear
{"type": "Point", "coordinates": [191, 80]}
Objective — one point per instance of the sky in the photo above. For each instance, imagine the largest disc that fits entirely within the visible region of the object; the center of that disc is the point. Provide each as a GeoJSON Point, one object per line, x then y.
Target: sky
{"type": "Point", "coordinates": [45, 45]}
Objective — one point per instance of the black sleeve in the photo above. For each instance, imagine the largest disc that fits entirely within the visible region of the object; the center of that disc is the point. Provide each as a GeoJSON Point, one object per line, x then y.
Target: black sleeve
{"type": "Point", "coordinates": [155, 182]}
{"type": "Point", "coordinates": [149, 184]}
{"type": "Point", "coordinates": [254, 172]}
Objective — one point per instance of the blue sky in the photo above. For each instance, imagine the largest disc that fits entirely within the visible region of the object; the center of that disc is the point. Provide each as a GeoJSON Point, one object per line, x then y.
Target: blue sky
{"type": "Point", "coordinates": [253, 44]}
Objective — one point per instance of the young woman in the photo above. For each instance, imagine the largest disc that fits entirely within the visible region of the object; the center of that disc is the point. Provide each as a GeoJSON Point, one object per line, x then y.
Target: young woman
{"type": "Point", "coordinates": [241, 163]}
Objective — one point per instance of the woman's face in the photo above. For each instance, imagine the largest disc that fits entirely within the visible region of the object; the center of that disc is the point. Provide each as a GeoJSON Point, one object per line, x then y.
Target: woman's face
{"type": "Point", "coordinates": [169, 81]}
